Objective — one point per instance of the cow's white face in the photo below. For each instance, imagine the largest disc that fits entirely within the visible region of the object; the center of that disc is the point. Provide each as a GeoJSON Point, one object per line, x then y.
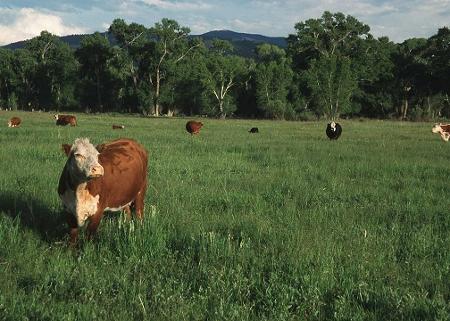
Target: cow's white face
{"type": "Point", "coordinates": [333, 125]}
{"type": "Point", "coordinates": [437, 128]}
{"type": "Point", "coordinates": [83, 160]}
{"type": "Point", "coordinates": [56, 116]}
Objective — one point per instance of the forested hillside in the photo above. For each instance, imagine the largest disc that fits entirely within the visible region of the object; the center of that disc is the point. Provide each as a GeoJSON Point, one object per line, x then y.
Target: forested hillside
{"type": "Point", "coordinates": [331, 67]}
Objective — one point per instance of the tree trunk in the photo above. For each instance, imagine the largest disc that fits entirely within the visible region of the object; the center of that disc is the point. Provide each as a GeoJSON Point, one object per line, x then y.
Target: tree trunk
{"type": "Point", "coordinates": [405, 108]}
{"type": "Point", "coordinates": [99, 96]}
{"type": "Point", "coordinates": [158, 82]}
{"type": "Point", "coordinates": [222, 115]}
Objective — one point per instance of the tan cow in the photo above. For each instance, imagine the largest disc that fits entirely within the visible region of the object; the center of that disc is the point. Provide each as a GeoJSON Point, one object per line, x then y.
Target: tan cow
{"type": "Point", "coordinates": [63, 120]}
{"type": "Point", "coordinates": [443, 130]}
{"type": "Point", "coordinates": [14, 122]}
{"type": "Point", "coordinates": [109, 177]}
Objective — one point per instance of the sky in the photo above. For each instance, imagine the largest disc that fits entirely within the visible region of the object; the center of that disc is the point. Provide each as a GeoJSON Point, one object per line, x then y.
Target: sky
{"type": "Point", "coordinates": [397, 19]}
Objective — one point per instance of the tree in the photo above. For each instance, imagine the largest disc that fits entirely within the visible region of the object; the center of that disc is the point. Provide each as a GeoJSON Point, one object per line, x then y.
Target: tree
{"type": "Point", "coordinates": [437, 57]}
{"type": "Point", "coordinates": [273, 76]}
{"type": "Point", "coordinates": [134, 43]}
{"type": "Point", "coordinates": [323, 51]}
{"type": "Point", "coordinates": [7, 78]}
{"type": "Point", "coordinates": [55, 71]}
{"type": "Point", "coordinates": [332, 83]}
{"type": "Point", "coordinates": [374, 68]}
{"type": "Point", "coordinates": [24, 66]}
{"type": "Point", "coordinates": [409, 72]}
{"type": "Point", "coordinates": [171, 46]}
{"type": "Point", "coordinates": [223, 73]}
{"type": "Point", "coordinates": [94, 55]}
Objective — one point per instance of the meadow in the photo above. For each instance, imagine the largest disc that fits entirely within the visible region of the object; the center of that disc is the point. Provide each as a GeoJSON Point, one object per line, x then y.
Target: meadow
{"type": "Point", "coordinates": [280, 225]}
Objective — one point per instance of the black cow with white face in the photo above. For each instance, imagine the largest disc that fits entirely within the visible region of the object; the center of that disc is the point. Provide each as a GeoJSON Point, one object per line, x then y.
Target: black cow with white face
{"type": "Point", "coordinates": [334, 130]}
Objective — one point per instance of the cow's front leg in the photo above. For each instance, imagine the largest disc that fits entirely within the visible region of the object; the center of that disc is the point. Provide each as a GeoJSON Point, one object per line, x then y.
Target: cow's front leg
{"type": "Point", "coordinates": [73, 229]}
{"type": "Point", "coordinates": [94, 221]}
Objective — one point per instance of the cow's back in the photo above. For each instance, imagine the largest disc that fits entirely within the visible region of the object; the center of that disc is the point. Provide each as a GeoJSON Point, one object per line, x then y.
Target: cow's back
{"type": "Point", "coordinates": [125, 172]}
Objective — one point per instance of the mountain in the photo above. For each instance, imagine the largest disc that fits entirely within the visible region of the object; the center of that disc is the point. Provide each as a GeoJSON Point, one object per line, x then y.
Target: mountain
{"type": "Point", "coordinates": [244, 43]}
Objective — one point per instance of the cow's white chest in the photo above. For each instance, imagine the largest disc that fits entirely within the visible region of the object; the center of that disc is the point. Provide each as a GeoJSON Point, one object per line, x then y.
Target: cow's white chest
{"type": "Point", "coordinates": [81, 203]}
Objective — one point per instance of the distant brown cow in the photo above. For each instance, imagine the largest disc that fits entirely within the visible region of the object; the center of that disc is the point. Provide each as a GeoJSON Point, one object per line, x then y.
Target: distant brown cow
{"type": "Point", "coordinates": [63, 120]}
{"type": "Point", "coordinates": [14, 122]}
{"type": "Point", "coordinates": [193, 127]}
{"type": "Point", "coordinates": [118, 126]}
{"type": "Point", "coordinates": [443, 130]}
{"type": "Point", "coordinates": [109, 177]}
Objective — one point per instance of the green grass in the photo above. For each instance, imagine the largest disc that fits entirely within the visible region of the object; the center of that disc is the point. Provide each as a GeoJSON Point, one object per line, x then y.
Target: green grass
{"type": "Point", "coordinates": [282, 225]}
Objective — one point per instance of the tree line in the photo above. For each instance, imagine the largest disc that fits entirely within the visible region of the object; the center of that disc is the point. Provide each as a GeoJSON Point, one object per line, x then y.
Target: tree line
{"type": "Point", "coordinates": [332, 67]}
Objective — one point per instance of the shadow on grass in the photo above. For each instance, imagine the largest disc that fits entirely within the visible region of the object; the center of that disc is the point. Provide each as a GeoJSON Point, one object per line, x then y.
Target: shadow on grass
{"type": "Point", "coordinates": [33, 214]}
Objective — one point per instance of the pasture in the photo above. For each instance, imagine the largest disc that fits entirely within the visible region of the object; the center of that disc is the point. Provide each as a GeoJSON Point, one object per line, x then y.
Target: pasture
{"type": "Point", "coordinates": [280, 225]}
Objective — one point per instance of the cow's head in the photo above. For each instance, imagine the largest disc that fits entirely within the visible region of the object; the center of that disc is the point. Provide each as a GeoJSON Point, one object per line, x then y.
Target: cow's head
{"type": "Point", "coordinates": [82, 159]}
{"type": "Point", "coordinates": [333, 125]}
{"type": "Point", "coordinates": [437, 128]}
{"type": "Point", "coordinates": [56, 116]}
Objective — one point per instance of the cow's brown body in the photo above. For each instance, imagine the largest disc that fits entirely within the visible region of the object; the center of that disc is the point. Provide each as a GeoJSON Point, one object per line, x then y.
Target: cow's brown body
{"type": "Point", "coordinates": [63, 120]}
{"type": "Point", "coordinates": [118, 126]}
{"type": "Point", "coordinates": [122, 183]}
{"type": "Point", "coordinates": [14, 122]}
{"type": "Point", "coordinates": [443, 130]}
{"type": "Point", "coordinates": [193, 127]}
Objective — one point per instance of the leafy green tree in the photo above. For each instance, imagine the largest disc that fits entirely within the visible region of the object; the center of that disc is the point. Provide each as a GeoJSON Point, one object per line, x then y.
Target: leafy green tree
{"type": "Point", "coordinates": [134, 43]}
{"type": "Point", "coordinates": [323, 51]}
{"type": "Point", "coordinates": [374, 68]}
{"type": "Point", "coordinates": [223, 73]}
{"type": "Point", "coordinates": [273, 76]}
{"type": "Point", "coordinates": [7, 77]}
{"type": "Point", "coordinates": [410, 70]}
{"type": "Point", "coordinates": [437, 58]}
{"type": "Point", "coordinates": [171, 45]}
{"type": "Point", "coordinates": [94, 56]}
{"type": "Point", "coordinates": [55, 72]}
{"type": "Point", "coordinates": [332, 84]}
{"type": "Point", "coordinates": [24, 66]}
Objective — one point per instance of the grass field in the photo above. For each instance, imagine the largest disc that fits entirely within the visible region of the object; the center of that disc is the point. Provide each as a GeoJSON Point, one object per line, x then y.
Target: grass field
{"type": "Point", "coordinates": [280, 225]}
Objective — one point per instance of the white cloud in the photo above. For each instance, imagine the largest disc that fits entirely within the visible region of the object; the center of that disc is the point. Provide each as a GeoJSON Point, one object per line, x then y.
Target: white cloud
{"type": "Point", "coordinates": [26, 23]}
{"type": "Point", "coordinates": [177, 5]}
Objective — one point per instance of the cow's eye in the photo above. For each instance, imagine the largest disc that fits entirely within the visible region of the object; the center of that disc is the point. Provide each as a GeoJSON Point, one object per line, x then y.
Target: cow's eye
{"type": "Point", "coordinates": [79, 157]}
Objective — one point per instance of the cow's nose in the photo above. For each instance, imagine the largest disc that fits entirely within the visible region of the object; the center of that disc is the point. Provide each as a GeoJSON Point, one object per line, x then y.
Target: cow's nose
{"type": "Point", "coordinates": [97, 171]}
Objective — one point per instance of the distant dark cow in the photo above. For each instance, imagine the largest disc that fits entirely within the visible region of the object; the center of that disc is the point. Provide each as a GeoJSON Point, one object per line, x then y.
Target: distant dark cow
{"type": "Point", "coordinates": [193, 127]}
{"type": "Point", "coordinates": [118, 126]}
{"type": "Point", "coordinates": [63, 120]}
{"type": "Point", "coordinates": [254, 130]}
{"type": "Point", "coordinates": [443, 130]}
{"type": "Point", "coordinates": [14, 122]}
{"type": "Point", "coordinates": [333, 130]}
{"type": "Point", "coordinates": [109, 177]}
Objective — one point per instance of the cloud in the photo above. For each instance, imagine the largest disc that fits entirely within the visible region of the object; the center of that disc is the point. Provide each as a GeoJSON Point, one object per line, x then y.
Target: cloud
{"type": "Point", "coordinates": [26, 23]}
{"type": "Point", "coordinates": [177, 5]}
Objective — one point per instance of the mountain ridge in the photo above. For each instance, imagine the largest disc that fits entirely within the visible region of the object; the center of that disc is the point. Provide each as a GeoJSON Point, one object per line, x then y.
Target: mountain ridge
{"type": "Point", "coordinates": [244, 43]}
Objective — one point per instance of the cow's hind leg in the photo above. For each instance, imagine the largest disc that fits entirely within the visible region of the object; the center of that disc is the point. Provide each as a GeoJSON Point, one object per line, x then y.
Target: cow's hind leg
{"type": "Point", "coordinates": [139, 201]}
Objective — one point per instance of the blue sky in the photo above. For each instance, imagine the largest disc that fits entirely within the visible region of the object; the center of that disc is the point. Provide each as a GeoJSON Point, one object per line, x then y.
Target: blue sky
{"type": "Point", "coordinates": [397, 19]}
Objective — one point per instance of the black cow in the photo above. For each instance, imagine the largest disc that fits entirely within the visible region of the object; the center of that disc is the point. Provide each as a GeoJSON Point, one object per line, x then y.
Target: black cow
{"type": "Point", "coordinates": [334, 130]}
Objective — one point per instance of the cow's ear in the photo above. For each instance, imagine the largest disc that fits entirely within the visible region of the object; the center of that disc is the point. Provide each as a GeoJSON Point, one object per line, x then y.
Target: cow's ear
{"type": "Point", "coordinates": [66, 148]}
{"type": "Point", "coordinates": [100, 147]}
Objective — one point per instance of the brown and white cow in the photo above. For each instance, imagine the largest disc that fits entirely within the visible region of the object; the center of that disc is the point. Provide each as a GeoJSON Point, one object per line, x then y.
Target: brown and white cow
{"type": "Point", "coordinates": [193, 127]}
{"type": "Point", "coordinates": [118, 126]}
{"type": "Point", "coordinates": [63, 120]}
{"type": "Point", "coordinates": [109, 177]}
{"type": "Point", "coordinates": [443, 130]}
{"type": "Point", "coordinates": [14, 122]}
